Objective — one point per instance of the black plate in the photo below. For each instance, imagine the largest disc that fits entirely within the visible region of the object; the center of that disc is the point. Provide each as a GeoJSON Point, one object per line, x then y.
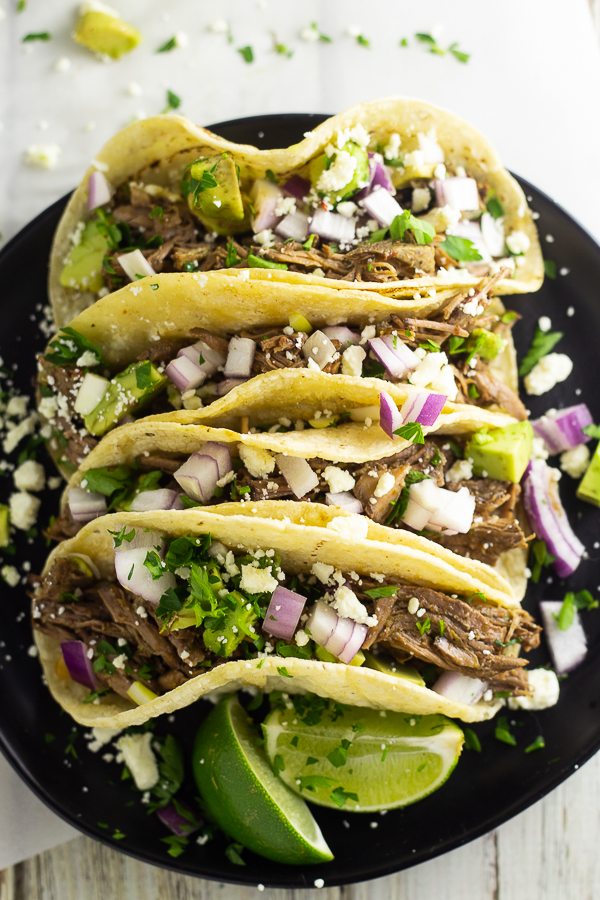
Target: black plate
{"type": "Point", "coordinates": [485, 790]}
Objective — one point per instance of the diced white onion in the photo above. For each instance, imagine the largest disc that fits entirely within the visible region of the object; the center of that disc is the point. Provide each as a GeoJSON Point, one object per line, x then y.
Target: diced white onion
{"type": "Point", "coordinates": [298, 474]}
{"type": "Point", "coordinates": [332, 226]}
{"type": "Point", "coordinates": [382, 206]}
{"type": "Point", "coordinates": [240, 357]}
{"type": "Point", "coordinates": [135, 264]}
{"type": "Point", "coordinates": [92, 390]}
{"type": "Point", "coordinates": [319, 348]}
{"type": "Point", "coordinates": [294, 226]}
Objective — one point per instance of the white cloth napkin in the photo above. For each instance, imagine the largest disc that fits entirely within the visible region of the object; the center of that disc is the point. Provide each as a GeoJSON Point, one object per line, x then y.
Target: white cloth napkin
{"type": "Point", "coordinates": [531, 86]}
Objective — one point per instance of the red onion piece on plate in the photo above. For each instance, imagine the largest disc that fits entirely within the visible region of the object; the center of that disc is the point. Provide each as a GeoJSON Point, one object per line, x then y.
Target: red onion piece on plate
{"type": "Point", "coordinates": [382, 206]}
{"type": "Point", "coordinates": [548, 518]}
{"type": "Point", "coordinates": [457, 192]}
{"type": "Point", "coordinates": [389, 415]}
{"type": "Point", "coordinates": [181, 825]}
{"type": "Point", "coordinates": [298, 187]}
{"type": "Point", "coordinates": [198, 476]}
{"type": "Point", "coordinates": [298, 474]}
{"type": "Point", "coordinates": [564, 428]}
{"type": "Point", "coordinates": [283, 613]}
{"type": "Point", "coordinates": [162, 498]}
{"type": "Point", "coordinates": [423, 407]}
{"type": "Point", "coordinates": [346, 500]}
{"type": "Point", "coordinates": [294, 225]}
{"type": "Point", "coordinates": [85, 505]}
{"type": "Point", "coordinates": [460, 688]}
{"type": "Point", "coordinates": [99, 190]}
{"type": "Point", "coordinates": [133, 575]}
{"type": "Point", "coordinates": [342, 334]}
{"type": "Point", "coordinates": [79, 665]}
{"type": "Point", "coordinates": [568, 648]}
{"type": "Point", "coordinates": [185, 374]}
{"type": "Point", "coordinates": [221, 453]}
{"type": "Point", "coordinates": [240, 357]}
{"type": "Point", "coordinates": [135, 264]}
{"type": "Point", "coordinates": [332, 226]}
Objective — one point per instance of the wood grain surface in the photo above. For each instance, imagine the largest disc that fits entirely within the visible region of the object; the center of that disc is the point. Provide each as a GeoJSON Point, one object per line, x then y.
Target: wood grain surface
{"type": "Point", "coordinates": [549, 852]}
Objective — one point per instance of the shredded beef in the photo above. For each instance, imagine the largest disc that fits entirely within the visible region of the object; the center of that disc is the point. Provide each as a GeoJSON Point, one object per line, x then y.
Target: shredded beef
{"type": "Point", "coordinates": [163, 351]}
{"type": "Point", "coordinates": [63, 527]}
{"type": "Point", "coordinates": [65, 381]}
{"type": "Point", "coordinates": [486, 541]}
{"type": "Point", "coordinates": [481, 656]}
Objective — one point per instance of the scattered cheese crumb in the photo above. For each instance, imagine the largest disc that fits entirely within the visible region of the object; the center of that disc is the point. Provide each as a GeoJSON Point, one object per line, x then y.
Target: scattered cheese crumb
{"type": "Point", "coordinates": [462, 470]}
{"type": "Point", "coordinates": [350, 527]}
{"type": "Point", "coordinates": [43, 155]}
{"type": "Point", "coordinates": [575, 461]}
{"type": "Point", "coordinates": [10, 575]}
{"type": "Point", "coordinates": [30, 476]}
{"type": "Point", "coordinates": [139, 759]}
{"type": "Point", "coordinates": [338, 479]}
{"type": "Point", "coordinates": [259, 462]}
{"type": "Point", "coordinates": [24, 508]}
{"type": "Point", "coordinates": [257, 581]}
{"type": "Point", "coordinates": [550, 370]}
{"type": "Point", "coordinates": [349, 606]}
{"type": "Point", "coordinates": [545, 689]}
{"type": "Point", "coordinates": [322, 571]}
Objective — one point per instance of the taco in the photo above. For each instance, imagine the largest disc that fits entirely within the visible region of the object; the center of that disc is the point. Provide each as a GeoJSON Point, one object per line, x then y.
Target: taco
{"type": "Point", "coordinates": [163, 465]}
{"type": "Point", "coordinates": [392, 195]}
{"type": "Point", "coordinates": [177, 343]}
{"type": "Point", "coordinates": [193, 602]}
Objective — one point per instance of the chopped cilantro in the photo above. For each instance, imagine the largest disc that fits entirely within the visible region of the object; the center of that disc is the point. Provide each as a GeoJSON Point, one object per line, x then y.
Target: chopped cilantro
{"type": "Point", "coordinates": [458, 54]}
{"type": "Point", "coordinates": [404, 42]}
{"type": "Point", "coordinates": [423, 627]}
{"type": "Point", "coordinates": [106, 480]}
{"type": "Point", "coordinates": [36, 36]}
{"type": "Point", "coordinates": [550, 268]}
{"type": "Point", "coordinates": [170, 45]}
{"type": "Point", "coordinates": [411, 432]}
{"type": "Point", "coordinates": [312, 782]}
{"type": "Point", "coordinates": [339, 756]}
{"type": "Point", "coordinates": [283, 50]}
{"type": "Point", "coordinates": [479, 596]}
{"type": "Point", "coordinates": [460, 249]}
{"type": "Point", "coordinates": [340, 796]}
{"type": "Point", "coordinates": [176, 844]}
{"type": "Point", "coordinates": [69, 345]}
{"type": "Point", "coordinates": [284, 672]}
{"type": "Point", "coordinates": [386, 591]}
{"type": "Point", "coordinates": [143, 375]}
{"type": "Point", "coordinates": [432, 46]}
{"type": "Point", "coordinates": [572, 602]}
{"type": "Point", "coordinates": [232, 852]}
{"type": "Point", "coordinates": [502, 732]}
{"type": "Point", "coordinates": [322, 37]}
{"type": "Point", "coordinates": [49, 738]}
{"type": "Point", "coordinates": [472, 742]}
{"type": "Point", "coordinates": [538, 744]}
{"type": "Point", "coordinates": [257, 262]}
{"type": "Point", "coordinates": [494, 207]}
{"type": "Point", "coordinates": [307, 245]}
{"type": "Point", "coordinates": [362, 40]}
{"type": "Point", "coordinates": [120, 536]}
{"type": "Point", "coordinates": [247, 53]}
{"type": "Point", "coordinates": [118, 835]}
{"type": "Point", "coordinates": [232, 258]}
{"type": "Point", "coordinates": [509, 316]}
{"type": "Point", "coordinates": [399, 505]}
{"type": "Point", "coordinates": [543, 342]}
{"type": "Point", "coordinates": [21, 4]}
{"type": "Point", "coordinates": [539, 558]}
{"type": "Point", "coordinates": [173, 102]}
{"type": "Point", "coordinates": [154, 564]}
{"type": "Point", "coordinates": [592, 431]}
{"type": "Point", "coordinates": [430, 346]}
{"type": "Point", "coordinates": [70, 746]}
{"type": "Point", "coordinates": [94, 695]}
{"type": "Point", "coordinates": [157, 213]}
{"type": "Point", "coordinates": [423, 232]}
{"type": "Point", "coordinates": [473, 392]}
{"type": "Point", "coordinates": [278, 764]}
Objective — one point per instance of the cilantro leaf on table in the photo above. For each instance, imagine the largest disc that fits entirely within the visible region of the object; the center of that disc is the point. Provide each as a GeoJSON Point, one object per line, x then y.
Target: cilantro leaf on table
{"type": "Point", "coordinates": [542, 344]}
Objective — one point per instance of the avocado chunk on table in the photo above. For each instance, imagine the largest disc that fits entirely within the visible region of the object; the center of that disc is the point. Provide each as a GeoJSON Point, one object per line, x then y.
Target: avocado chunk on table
{"type": "Point", "coordinates": [358, 180]}
{"type": "Point", "coordinates": [127, 392]}
{"type": "Point", "coordinates": [501, 453]}
{"type": "Point", "coordinates": [589, 486]}
{"type": "Point", "coordinates": [104, 33]}
{"type": "Point", "coordinates": [214, 194]}
{"type": "Point", "coordinates": [83, 269]}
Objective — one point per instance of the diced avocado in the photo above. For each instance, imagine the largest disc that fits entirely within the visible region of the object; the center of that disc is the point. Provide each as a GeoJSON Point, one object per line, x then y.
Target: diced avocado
{"type": "Point", "coordinates": [83, 269]}
{"type": "Point", "coordinates": [389, 666]}
{"type": "Point", "coordinates": [4, 526]}
{"type": "Point", "coordinates": [487, 344]}
{"type": "Point", "coordinates": [359, 179]}
{"type": "Point", "coordinates": [300, 323]}
{"type": "Point", "coordinates": [104, 33]}
{"type": "Point", "coordinates": [126, 393]}
{"type": "Point", "coordinates": [325, 656]}
{"type": "Point", "coordinates": [589, 486]}
{"type": "Point", "coordinates": [83, 566]}
{"type": "Point", "coordinates": [214, 195]}
{"type": "Point", "coordinates": [401, 176]}
{"type": "Point", "coordinates": [501, 453]}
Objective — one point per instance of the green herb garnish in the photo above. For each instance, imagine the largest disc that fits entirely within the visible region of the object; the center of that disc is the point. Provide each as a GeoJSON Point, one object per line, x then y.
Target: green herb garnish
{"type": "Point", "coordinates": [543, 342]}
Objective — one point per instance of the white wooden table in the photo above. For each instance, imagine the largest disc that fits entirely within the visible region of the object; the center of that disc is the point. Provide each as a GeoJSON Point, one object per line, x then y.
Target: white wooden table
{"type": "Point", "coordinates": [550, 851]}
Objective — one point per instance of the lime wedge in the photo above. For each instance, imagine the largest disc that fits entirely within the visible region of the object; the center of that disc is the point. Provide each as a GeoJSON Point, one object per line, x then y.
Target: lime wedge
{"type": "Point", "coordinates": [361, 759]}
{"type": "Point", "coordinates": [245, 797]}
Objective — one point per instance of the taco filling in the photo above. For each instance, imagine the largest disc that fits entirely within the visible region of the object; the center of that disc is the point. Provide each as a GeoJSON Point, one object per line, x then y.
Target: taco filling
{"type": "Point", "coordinates": [479, 512]}
{"type": "Point", "coordinates": [357, 212]}
{"type": "Point", "coordinates": [183, 605]}
{"type": "Point", "coordinates": [449, 352]}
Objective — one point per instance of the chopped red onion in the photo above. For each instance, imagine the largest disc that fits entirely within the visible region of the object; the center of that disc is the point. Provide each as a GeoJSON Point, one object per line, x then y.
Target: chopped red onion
{"type": "Point", "coordinates": [240, 357]}
{"type": "Point", "coordinates": [380, 174]}
{"type": "Point", "coordinates": [332, 226]}
{"type": "Point", "coordinates": [423, 407]}
{"type": "Point", "coordinates": [340, 637]}
{"type": "Point", "coordinates": [85, 505]}
{"type": "Point", "coordinates": [133, 575]}
{"type": "Point", "coordinates": [457, 192]}
{"type": "Point", "coordinates": [221, 453]}
{"type": "Point", "coordinates": [181, 825]}
{"type": "Point", "coordinates": [99, 190]}
{"type": "Point", "coordinates": [459, 688]}
{"type": "Point", "coordinates": [266, 196]}
{"type": "Point", "coordinates": [162, 498]}
{"type": "Point", "coordinates": [492, 231]}
{"type": "Point", "coordinates": [563, 429]}
{"type": "Point", "coordinates": [548, 518]}
{"type": "Point", "coordinates": [342, 334]}
{"type": "Point", "coordinates": [298, 474]}
{"type": "Point", "coordinates": [401, 350]}
{"type": "Point", "coordinates": [568, 648]}
{"type": "Point", "coordinates": [294, 226]}
{"type": "Point", "coordinates": [185, 374]}
{"type": "Point", "coordinates": [389, 415]}
{"type": "Point", "coordinates": [211, 359]}
{"type": "Point", "coordinates": [134, 264]}
{"type": "Point", "coordinates": [79, 665]}
{"type": "Point", "coordinates": [398, 359]}
{"type": "Point", "coordinates": [355, 642]}
{"type": "Point", "coordinates": [322, 622]}
{"type": "Point", "coordinates": [198, 477]}
{"type": "Point", "coordinates": [228, 384]}
{"type": "Point", "coordinates": [298, 187]}
{"type": "Point", "coordinates": [283, 613]}
{"type": "Point", "coordinates": [472, 232]}
{"type": "Point", "coordinates": [346, 500]}
{"type": "Point", "coordinates": [382, 206]}
{"type": "Point", "coordinates": [319, 348]}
